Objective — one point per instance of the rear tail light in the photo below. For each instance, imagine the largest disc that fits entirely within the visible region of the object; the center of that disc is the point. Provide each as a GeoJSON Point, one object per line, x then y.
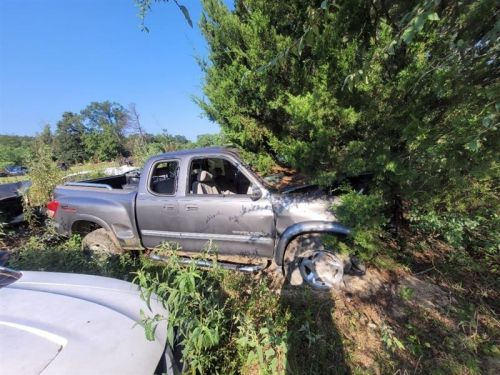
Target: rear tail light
{"type": "Point", "coordinates": [52, 207]}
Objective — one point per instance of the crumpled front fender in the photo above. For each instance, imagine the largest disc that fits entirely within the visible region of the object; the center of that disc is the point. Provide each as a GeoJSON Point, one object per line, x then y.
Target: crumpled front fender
{"type": "Point", "coordinates": [303, 228]}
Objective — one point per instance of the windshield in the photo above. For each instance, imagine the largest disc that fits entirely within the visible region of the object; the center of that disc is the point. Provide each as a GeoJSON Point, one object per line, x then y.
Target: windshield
{"type": "Point", "coordinates": [8, 276]}
{"type": "Point", "coordinates": [258, 177]}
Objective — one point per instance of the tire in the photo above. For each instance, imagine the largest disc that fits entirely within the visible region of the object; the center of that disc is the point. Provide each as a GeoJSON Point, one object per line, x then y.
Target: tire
{"type": "Point", "coordinates": [306, 262]}
{"type": "Point", "coordinates": [100, 242]}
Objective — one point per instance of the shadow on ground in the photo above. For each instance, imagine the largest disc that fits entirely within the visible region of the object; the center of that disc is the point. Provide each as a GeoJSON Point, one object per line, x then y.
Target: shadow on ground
{"type": "Point", "coordinates": [315, 344]}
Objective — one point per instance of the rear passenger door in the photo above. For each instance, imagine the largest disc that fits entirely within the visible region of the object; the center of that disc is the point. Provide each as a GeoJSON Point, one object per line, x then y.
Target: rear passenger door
{"type": "Point", "coordinates": [157, 209]}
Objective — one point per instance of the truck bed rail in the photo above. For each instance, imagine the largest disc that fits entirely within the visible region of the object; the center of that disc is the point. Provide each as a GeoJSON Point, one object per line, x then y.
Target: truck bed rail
{"type": "Point", "coordinates": [88, 184]}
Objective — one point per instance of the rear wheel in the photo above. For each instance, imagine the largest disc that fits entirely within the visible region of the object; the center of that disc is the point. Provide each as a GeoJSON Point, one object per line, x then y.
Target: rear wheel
{"type": "Point", "coordinates": [100, 242]}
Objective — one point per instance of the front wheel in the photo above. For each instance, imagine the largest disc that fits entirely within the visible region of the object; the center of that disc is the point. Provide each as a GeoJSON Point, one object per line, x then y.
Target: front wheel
{"type": "Point", "coordinates": [307, 262]}
{"type": "Point", "coordinates": [100, 242]}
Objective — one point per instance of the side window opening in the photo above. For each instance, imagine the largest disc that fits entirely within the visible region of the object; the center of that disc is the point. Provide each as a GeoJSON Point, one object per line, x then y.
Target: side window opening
{"type": "Point", "coordinates": [164, 177]}
{"type": "Point", "coordinates": [217, 176]}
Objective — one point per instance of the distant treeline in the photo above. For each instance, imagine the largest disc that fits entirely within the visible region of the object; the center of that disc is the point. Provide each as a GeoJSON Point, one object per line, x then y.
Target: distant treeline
{"type": "Point", "coordinates": [103, 131]}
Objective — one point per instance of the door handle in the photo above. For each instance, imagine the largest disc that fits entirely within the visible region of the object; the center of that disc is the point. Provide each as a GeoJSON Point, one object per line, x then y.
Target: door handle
{"type": "Point", "coordinates": [169, 207]}
{"type": "Point", "coordinates": [191, 207]}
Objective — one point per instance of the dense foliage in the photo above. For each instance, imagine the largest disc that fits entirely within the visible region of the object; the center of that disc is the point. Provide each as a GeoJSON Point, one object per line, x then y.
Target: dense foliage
{"type": "Point", "coordinates": [407, 90]}
{"type": "Point", "coordinates": [14, 149]}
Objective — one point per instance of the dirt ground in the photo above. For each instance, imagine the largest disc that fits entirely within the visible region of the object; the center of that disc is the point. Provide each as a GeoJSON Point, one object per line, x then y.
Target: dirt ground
{"type": "Point", "coordinates": [393, 321]}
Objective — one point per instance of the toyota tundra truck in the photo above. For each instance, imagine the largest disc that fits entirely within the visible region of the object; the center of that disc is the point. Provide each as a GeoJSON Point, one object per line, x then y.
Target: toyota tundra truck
{"type": "Point", "coordinates": [196, 196]}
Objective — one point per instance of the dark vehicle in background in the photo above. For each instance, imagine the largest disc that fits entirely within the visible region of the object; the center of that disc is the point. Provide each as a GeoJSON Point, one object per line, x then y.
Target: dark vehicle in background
{"type": "Point", "coordinates": [192, 197]}
{"type": "Point", "coordinates": [11, 201]}
{"type": "Point", "coordinates": [15, 170]}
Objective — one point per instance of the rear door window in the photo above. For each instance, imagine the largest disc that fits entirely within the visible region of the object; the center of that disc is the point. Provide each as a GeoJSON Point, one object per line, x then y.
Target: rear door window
{"type": "Point", "coordinates": [164, 177]}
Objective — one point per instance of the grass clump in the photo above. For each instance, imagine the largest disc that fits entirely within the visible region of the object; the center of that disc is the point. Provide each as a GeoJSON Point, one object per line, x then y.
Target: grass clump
{"type": "Point", "coordinates": [53, 253]}
{"type": "Point", "coordinates": [225, 323]}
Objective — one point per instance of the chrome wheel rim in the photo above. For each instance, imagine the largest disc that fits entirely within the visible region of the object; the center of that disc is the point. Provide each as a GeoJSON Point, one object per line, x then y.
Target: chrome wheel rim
{"type": "Point", "coordinates": [321, 270]}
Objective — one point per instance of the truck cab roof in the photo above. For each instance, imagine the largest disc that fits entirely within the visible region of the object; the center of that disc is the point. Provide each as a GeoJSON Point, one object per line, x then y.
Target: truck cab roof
{"type": "Point", "coordinates": [198, 151]}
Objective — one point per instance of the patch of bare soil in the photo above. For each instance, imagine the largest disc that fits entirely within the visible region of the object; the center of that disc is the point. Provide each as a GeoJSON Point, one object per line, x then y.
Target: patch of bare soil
{"type": "Point", "coordinates": [15, 237]}
{"type": "Point", "coordinates": [394, 321]}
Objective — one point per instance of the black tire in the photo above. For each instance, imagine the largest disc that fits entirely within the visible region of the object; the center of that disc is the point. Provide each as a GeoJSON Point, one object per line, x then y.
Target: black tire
{"type": "Point", "coordinates": [99, 241]}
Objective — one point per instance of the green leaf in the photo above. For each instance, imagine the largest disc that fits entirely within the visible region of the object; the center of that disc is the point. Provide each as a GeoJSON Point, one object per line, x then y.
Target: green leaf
{"type": "Point", "coordinates": [391, 47]}
{"type": "Point", "coordinates": [473, 146]}
{"type": "Point", "coordinates": [308, 38]}
{"type": "Point", "coordinates": [408, 35]}
{"type": "Point", "coordinates": [300, 46]}
{"type": "Point", "coordinates": [433, 17]}
{"type": "Point", "coordinates": [269, 353]}
{"type": "Point", "coordinates": [242, 341]}
{"type": "Point", "coordinates": [264, 331]}
{"type": "Point", "coordinates": [170, 335]}
{"type": "Point", "coordinates": [390, 167]}
{"type": "Point", "coordinates": [185, 11]}
{"type": "Point", "coordinates": [398, 343]}
{"type": "Point", "coordinates": [488, 121]}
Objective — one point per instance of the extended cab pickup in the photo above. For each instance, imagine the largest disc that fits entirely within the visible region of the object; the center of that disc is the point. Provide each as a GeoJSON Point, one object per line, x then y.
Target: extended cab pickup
{"type": "Point", "coordinates": [192, 197]}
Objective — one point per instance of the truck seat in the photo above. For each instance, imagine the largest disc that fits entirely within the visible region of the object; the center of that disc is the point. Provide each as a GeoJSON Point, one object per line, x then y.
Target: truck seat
{"type": "Point", "coordinates": [164, 186]}
{"type": "Point", "coordinates": [205, 184]}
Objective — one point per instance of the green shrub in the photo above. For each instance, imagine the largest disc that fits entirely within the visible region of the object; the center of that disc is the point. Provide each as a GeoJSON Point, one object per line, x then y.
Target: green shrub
{"type": "Point", "coordinates": [196, 308]}
{"type": "Point", "coordinates": [261, 163]}
{"type": "Point", "coordinates": [44, 175]}
{"type": "Point", "coordinates": [364, 215]}
{"type": "Point", "coordinates": [222, 327]}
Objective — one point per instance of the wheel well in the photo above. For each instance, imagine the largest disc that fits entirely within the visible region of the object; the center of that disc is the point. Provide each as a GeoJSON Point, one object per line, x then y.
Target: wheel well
{"type": "Point", "coordinates": [313, 239]}
{"type": "Point", "coordinates": [83, 227]}
{"type": "Point", "coordinates": [305, 228]}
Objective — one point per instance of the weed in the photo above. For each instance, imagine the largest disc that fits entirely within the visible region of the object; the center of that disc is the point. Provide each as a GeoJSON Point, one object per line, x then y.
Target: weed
{"type": "Point", "coordinates": [406, 293]}
{"type": "Point", "coordinates": [389, 339]}
{"type": "Point", "coordinates": [265, 348]}
{"type": "Point", "coordinates": [311, 336]}
{"type": "Point", "coordinates": [219, 329]}
{"type": "Point", "coordinates": [44, 175]}
{"type": "Point", "coordinates": [196, 308]}
{"type": "Point", "coordinates": [48, 252]}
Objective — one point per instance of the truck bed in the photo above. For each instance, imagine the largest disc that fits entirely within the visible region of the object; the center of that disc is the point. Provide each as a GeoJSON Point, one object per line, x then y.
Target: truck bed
{"type": "Point", "coordinates": [110, 208]}
{"type": "Point", "coordinates": [127, 181]}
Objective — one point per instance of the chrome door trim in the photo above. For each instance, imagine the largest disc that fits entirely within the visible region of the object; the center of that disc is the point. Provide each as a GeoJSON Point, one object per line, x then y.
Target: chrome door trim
{"type": "Point", "coordinates": [209, 236]}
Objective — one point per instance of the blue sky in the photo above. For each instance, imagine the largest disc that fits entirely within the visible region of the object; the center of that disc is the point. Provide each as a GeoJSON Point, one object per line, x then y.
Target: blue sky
{"type": "Point", "coordinates": [60, 55]}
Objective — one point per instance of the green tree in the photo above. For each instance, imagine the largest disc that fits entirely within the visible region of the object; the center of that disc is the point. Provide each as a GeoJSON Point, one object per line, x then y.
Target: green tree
{"type": "Point", "coordinates": [105, 124]}
{"type": "Point", "coordinates": [14, 150]}
{"type": "Point", "coordinates": [207, 140]}
{"type": "Point", "coordinates": [407, 90]}
{"type": "Point", "coordinates": [46, 136]}
{"type": "Point", "coordinates": [167, 142]}
{"type": "Point", "coordinates": [68, 140]}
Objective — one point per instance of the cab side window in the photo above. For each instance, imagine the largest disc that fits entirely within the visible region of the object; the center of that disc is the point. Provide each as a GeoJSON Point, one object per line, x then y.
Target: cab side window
{"type": "Point", "coordinates": [164, 177]}
{"type": "Point", "coordinates": [217, 176]}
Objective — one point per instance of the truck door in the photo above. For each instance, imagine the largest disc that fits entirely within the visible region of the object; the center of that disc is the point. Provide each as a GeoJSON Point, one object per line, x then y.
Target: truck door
{"type": "Point", "coordinates": [219, 206]}
{"type": "Point", "coordinates": [157, 208]}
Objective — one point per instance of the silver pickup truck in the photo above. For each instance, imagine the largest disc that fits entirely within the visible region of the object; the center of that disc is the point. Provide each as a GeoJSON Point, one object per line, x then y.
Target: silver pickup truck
{"type": "Point", "coordinates": [195, 196]}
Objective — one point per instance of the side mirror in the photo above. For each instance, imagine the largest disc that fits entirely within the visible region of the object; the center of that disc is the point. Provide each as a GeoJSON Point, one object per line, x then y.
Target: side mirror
{"type": "Point", "coordinates": [255, 193]}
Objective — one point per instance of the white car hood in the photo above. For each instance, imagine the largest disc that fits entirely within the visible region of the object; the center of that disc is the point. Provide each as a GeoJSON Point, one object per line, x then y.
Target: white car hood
{"type": "Point", "coordinates": [56, 323]}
